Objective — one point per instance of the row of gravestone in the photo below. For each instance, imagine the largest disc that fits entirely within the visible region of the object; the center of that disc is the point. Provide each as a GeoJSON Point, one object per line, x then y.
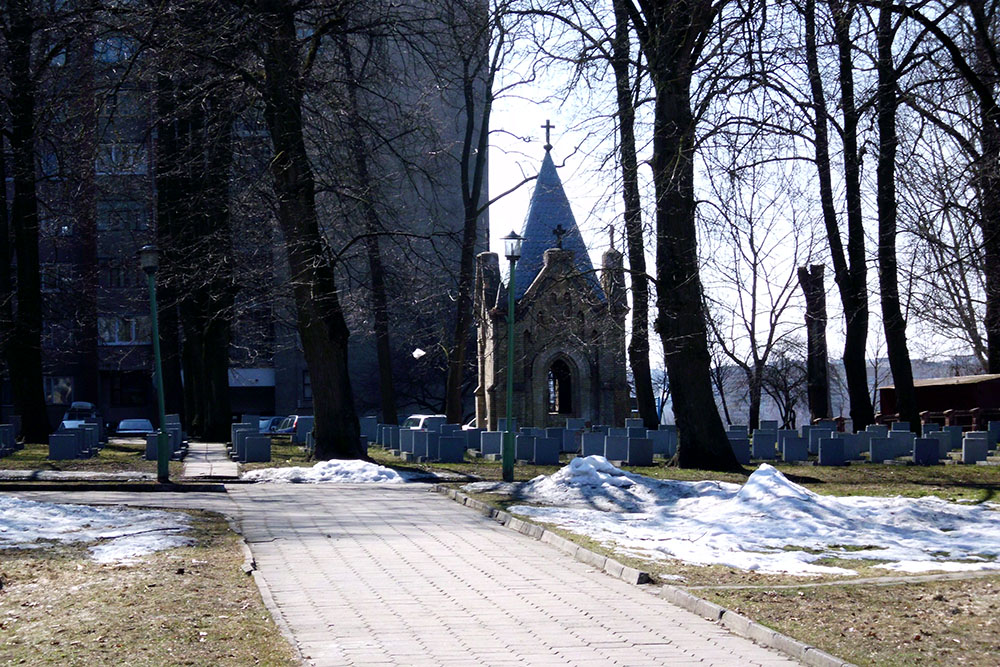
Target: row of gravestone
{"type": "Point", "coordinates": [881, 443]}
{"type": "Point", "coordinates": [448, 443]}
{"type": "Point", "coordinates": [80, 442]}
{"type": "Point", "coordinates": [248, 445]}
{"type": "Point", "coordinates": [176, 438]}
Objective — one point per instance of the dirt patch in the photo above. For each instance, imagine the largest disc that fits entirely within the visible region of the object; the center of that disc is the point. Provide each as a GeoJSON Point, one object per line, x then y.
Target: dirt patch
{"type": "Point", "coordinates": [186, 606]}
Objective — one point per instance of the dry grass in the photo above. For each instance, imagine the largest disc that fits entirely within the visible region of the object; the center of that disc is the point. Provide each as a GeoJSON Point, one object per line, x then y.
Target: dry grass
{"type": "Point", "coordinates": [186, 606]}
{"type": "Point", "coordinates": [119, 455]}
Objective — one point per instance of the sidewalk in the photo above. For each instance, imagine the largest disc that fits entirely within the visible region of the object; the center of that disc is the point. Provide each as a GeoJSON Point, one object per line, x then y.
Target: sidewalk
{"type": "Point", "coordinates": [398, 575]}
{"type": "Point", "coordinates": [208, 460]}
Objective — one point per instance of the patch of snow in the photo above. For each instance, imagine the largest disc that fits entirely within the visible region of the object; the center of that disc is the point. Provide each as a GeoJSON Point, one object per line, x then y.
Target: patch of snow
{"type": "Point", "coordinates": [324, 472]}
{"type": "Point", "coordinates": [122, 533]}
{"type": "Point", "coordinates": [921, 566]}
{"type": "Point", "coordinates": [769, 524]}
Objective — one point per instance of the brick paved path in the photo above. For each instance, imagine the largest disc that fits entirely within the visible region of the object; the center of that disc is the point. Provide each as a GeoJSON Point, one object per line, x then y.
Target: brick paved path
{"type": "Point", "coordinates": [397, 575]}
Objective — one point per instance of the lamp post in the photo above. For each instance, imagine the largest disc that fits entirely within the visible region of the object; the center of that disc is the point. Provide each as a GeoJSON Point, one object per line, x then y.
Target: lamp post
{"type": "Point", "coordinates": [512, 249]}
{"type": "Point", "coordinates": [149, 260]}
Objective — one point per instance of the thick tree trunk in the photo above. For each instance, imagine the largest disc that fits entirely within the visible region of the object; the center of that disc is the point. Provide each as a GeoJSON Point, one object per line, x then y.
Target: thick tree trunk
{"type": "Point", "coordinates": [755, 383]}
{"type": "Point", "coordinates": [25, 349]}
{"type": "Point", "coordinates": [638, 347]}
{"type": "Point", "coordinates": [817, 371]}
{"type": "Point", "coordinates": [373, 226]}
{"type": "Point", "coordinates": [6, 263]}
{"type": "Point", "coordinates": [892, 316]}
{"type": "Point", "coordinates": [321, 323]}
{"type": "Point", "coordinates": [681, 321]}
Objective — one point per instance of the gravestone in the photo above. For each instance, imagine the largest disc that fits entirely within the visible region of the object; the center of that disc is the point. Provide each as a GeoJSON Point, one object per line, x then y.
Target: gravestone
{"type": "Point", "coordinates": [635, 432]}
{"type": "Point", "coordinates": [795, 448]}
{"type": "Point", "coordinates": [863, 441]}
{"type": "Point", "coordinates": [7, 437]}
{"type": "Point", "coordinates": [661, 443]}
{"type": "Point", "coordinates": [764, 445]}
{"type": "Point", "coordinates": [406, 436]}
{"type": "Point", "coordinates": [394, 437]}
{"type": "Point", "coordinates": [575, 424]}
{"type": "Point", "coordinates": [303, 426]}
{"type": "Point", "coordinates": [943, 440]}
{"type": "Point", "coordinates": [435, 423]}
{"type": "Point", "coordinates": [635, 423]}
{"type": "Point", "coordinates": [904, 442]}
{"type": "Point", "coordinates": [815, 435]}
{"type": "Point", "coordinates": [928, 428]}
{"type": "Point", "coordinates": [768, 425]}
{"type": "Point", "coordinates": [450, 429]}
{"type": "Point", "coordinates": [741, 448]}
{"type": "Point", "coordinates": [473, 438]}
{"type": "Point", "coordinates": [737, 431]}
{"type": "Point", "coordinates": [617, 432]}
{"type": "Point", "coordinates": [64, 446]}
{"type": "Point", "coordinates": [640, 452]}
{"type": "Point", "coordinates": [310, 445]}
{"type": "Point", "coordinates": [593, 444]}
{"type": "Point", "coordinates": [853, 445]}
{"type": "Point", "coordinates": [975, 446]}
{"type": "Point", "coordinates": [616, 448]}
{"type": "Point", "coordinates": [671, 430]}
{"type": "Point", "coordinates": [369, 428]}
{"type": "Point", "coordinates": [993, 428]}
{"type": "Point", "coordinates": [878, 430]}
{"type": "Point", "coordinates": [786, 433]}
{"type": "Point", "coordinates": [451, 448]}
{"type": "Point", "coordinates": [881, 450]}
{"type": "Point", "coordinates": [256, 448]}
{"type": "Point", "coordinates": [599, 428]}
{"type": "Point", "coordinates": [925, 451]}
{"type": "Point", "coordinates": [524, 448]}
{"type": "Point", "coordinates": [247, 419]}
{"type": "Point", "coordinates": [502, 424]}
{"type": "Point", "coordinates": [546, 452]}
{"type": "Point", "coordinates": [831, 452]}
{"type": "Point", "coordinates": [900, 426]}
{"type": "Point", "coordinates": [151, 443]}
{"type": "Point", "coordinates": [955, 433]}
{"type": "Point", "coordinates": [827, 424]}
{"type": "Point", "coordinates": [491, 442]}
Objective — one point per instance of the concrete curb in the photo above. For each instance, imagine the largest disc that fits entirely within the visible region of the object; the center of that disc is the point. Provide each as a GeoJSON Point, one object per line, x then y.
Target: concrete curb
{"type": "Point", "coordinates": [130, 487]}
{"type": "Point", "coordinates": [736, 623]}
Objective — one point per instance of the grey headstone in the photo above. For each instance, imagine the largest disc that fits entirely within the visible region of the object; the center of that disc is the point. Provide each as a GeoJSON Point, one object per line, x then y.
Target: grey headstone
{"type": "Point", "coordinates": [557, 434]}
{"type": "Point", "coordinates": [828, 424]}
{"type": "Point", "coordinates": [904, 442]}
{"type": "Point", "coordinates": [616, 448]}
{"type": "Point", "coordinates": [901, 426]}
{"type": "Point", "coordinates": [394, 437]}
{"type": "Point", "coordinates": [878, 430]}
{"type": "Point", "coordinates": [974, 449]}
{"type": "Point", "coordinates": [406, 437]}
{"type": "Point", "coordinates": [435, 423]}
{"type": "Point", "coordinates": [524, 447]}
{"type": "Point", "coordinates": [925, 451]}
{"type": "Point", "coordinates": [450, 429]}
{"type": "Point", "coordinates": [671, 431]}
{"type": "Point", "coordinates": [176, 419]}
{"type": "Point", "coordinates": [768, 425]}
{"type": "Point", "coordinates": [380, 435]}
{"type": "Point", "coordinates": [943, 440]}
{"type": "Point", "coordinates": [425, 444]}
{"type": "Point", "coordinates": [738, 431]}
{"type": "Point", "coordinates": [303, 426]}
{"type": "Point", "coordinates": [640, 452]}
{"type": "Point", "coordinates": [256, 448]}
{"type": "Point", "coordinates": [795, 448]}
{"type": "Point", "coordinates": [451, 449]}
{"type": "Point", "coordinates": [502, 426]}
{"type": "Point", "coordinates": [473, 438]}
{"type": "Point", "coordinates": [369, 426]}
{"type": "Point", "coordinates": [993, 428]}
{"type": "Point", "coordinates": [661, 443]}
{"type": "Point", "coordinates": [575, 424]}
{"type": "Point", "coordinates": [741, 448]}
{"type": "Point", "coordinates": [956, 432]}
{"type": "Point", "coordinates": [764, 445]}
{"type": "Point", "coordinates": [618, 432]}
{"type": "Point", "coordinates": [491, 442]}
{"type": "Point", "coordinates": [635, 432]}
{"type": "Point", "coordinates": [151, 443]}
{"type": "Point", "coordinates": [881, 450]}
{"type": "Point", "coordinates": [593, 444]}
{"type": "Point", "coordinates": [546, 451]}
{"type": "Point", "coordinates": [928, 428]}
{"type": "Point", "coordinates": [63, 446]}
{"type": "Point", "coordinates": [250, 419]}
{"type": "Point", "coordinates": [815, 435]}
{"type": "Point", "coordinates": [599, 428]}
{"type": "Point", "coordinates": [633, 422]}
{"type": "Point", "coordinates": [831, 452]}
{"type": "Point", "coordinates": [854, 444]}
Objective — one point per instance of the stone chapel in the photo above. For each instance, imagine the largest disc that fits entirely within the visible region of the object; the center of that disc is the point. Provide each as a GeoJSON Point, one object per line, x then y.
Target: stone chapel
{"type": "Point", "coordinates": [569, 323]}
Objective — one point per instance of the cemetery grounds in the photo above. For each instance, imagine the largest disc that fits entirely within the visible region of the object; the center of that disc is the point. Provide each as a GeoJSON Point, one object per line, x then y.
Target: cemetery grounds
{"type": "Point", "coordinates": [874, 618]}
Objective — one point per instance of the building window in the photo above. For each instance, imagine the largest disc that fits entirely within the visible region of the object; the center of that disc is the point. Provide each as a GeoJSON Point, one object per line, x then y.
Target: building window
{"type": "Point", "coordinates": [56, 277]}
{"type": "Point", "coordinates": [58, 389]}
{"type": "Point", "coordinates": [129, 159]}
{"type": "Point", "coordinates": [560, 388]}
{"type": "Point", "coordinates": [122, 214]}
{"type": "Point", "coordinates": [113, 49]}
{"type": "Point", "coordinates": [130, 330]}
{"type": "Point", "coordinates": [307, 388]}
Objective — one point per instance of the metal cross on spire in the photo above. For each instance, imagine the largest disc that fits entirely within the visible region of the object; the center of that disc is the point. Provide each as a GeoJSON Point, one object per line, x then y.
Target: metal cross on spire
{"type": "Point", "coordinates": [548, 127]}
{"type": "Point", "coordinates": [559, 233]}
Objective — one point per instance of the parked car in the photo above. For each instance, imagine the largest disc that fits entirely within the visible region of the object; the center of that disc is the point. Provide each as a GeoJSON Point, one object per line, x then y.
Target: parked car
{"type": "Point", "coordinates": [81, 412]}
{"type": "Point", "coordinates": [421, 421]}
{"type": "Point", "coordinates": [288, 424]}
{"type": "Point", "coordinates": [270, 424]}
{"type": "Point", "coordinates": [136, 427]}
{"type": "Point", "coordinates": [471, 425]}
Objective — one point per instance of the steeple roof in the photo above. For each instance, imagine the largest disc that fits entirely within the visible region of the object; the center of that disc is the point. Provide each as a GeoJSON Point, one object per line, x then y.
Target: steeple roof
{"type": "Point", "coordinates": [549, 210]}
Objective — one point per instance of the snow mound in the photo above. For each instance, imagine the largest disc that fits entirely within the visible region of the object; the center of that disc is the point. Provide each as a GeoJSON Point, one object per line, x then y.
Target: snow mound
{"type": "Point", "coordinates": [122, 533]}
{"type": "Point", "coordinates": [769, 524]}
{"type": "Point", "coordinates": [326, 472]}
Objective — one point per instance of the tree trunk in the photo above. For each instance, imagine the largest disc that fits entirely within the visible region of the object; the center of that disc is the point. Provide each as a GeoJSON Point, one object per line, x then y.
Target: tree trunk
{"type": "Point", "coordinates": [850, 278]}
{"type": "Point", "coordinates": [681, 321]}
{"type": "Point", "coordinates": [638, 347]}
{"type": "Point", "coordinates": [6, 263]}
{"type": "Point", "coordinates": [366, 190]}
{"type": "Point", "coordinates": [321, 323]}
{"type": "Point", "coordinates": [25, 349]}
{"type": "Point", "coordinates": [817, 370]}
{"type": "Point", "coordinates": [755, 383]}
{"type": "Point", "coordinates": [892, 316]}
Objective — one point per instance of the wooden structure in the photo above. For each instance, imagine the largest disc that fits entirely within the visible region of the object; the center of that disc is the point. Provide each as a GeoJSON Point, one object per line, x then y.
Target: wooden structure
{"type": "Point", "coordinates": [970, 401]}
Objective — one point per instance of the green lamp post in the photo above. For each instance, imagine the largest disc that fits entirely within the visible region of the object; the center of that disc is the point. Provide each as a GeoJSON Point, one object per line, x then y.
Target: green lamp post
{"type": "Point", "coordinates": [512, 249]}
{"type": "Point", "coordinates": [149, 260]}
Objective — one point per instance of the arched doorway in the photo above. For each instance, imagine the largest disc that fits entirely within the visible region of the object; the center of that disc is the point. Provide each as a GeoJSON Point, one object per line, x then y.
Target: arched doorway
{"type": "Point", "coordinates": [560, 388]}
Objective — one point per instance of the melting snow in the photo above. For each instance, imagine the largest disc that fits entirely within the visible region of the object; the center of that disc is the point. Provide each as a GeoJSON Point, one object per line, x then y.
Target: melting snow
{"type": "Point", "coordinates": [122, 533]}
{"type": "Point", "coordinates": [344, 472]}
{"type": "Point", "coordinates": [769, 524]}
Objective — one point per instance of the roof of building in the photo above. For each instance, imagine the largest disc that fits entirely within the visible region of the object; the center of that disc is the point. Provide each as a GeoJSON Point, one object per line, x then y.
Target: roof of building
{"type": "Point", "coordinates": [549, 209]}
{"type": "Point", "coordinates": [948, 381]}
